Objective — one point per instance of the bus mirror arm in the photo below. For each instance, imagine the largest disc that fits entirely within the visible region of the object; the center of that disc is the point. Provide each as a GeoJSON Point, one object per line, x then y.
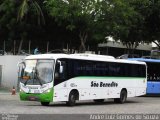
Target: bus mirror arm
{"type": "Point", "coordinates": [61, 67]}
{"type": "Point", "coordinates": [21, 64]}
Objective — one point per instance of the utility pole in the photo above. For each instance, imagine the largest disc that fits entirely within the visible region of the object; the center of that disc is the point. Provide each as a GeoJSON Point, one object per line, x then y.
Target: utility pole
{"type": "Point", "coordinates": [29, 47]}
{"type": "Point", "coordinates": [4, 47]}
{"type": "Point", "coordinates": [47, 46]}
{"type": "Point", "coordinates": [14, 49]}
{"type": "Point", "coordinates": [67, 48]}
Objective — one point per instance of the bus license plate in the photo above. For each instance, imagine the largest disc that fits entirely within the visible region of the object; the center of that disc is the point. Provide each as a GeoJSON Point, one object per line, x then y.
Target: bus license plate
{"type": "Point", "coordinates": [31, 98]}
{"type": "Point", "coordinates": [36, 91]}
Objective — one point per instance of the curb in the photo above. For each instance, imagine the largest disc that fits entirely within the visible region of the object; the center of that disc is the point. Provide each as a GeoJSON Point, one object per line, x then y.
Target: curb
{"type": "Point", "coordinates": [5, 93]}
{"type": "Point", "coordinates": [8, 93]}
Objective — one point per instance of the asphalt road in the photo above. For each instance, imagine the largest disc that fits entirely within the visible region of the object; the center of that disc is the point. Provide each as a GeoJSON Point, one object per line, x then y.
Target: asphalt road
{"type": "Point", "coordinates": [10, 104]}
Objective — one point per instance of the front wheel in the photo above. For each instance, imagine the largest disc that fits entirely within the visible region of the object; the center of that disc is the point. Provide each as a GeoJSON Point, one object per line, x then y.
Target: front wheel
{"type": "Point", "coordinates": [45, 103]}
{"type": "Point", "coordinates": [123, 97]}
{"type": "Point", "coordinates": [72, 99]}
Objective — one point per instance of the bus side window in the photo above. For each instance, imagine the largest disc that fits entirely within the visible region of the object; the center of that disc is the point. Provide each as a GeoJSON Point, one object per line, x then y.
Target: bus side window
{"type": "Point", "coordinates": [63, 74]}
{"type": "Point", "coordinates": [60, 70]}
{"type": "Point", "coordinates": [57, 71]}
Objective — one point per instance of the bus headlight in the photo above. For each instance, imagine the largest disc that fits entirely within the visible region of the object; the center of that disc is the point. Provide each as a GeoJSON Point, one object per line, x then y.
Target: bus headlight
{"type": "Point", "coordinates": [47, 91]}
{"type": "Point", "coordinates": [21, 90]}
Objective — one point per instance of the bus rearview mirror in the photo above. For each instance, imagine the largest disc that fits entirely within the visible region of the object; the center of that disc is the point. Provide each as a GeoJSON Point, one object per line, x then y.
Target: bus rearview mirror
{"type": "Point", "coordinates": [61, 69]}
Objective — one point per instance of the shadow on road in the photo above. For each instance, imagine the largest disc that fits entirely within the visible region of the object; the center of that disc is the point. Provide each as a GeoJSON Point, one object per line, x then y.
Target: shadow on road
{"type": "Point", "coordinates": [87, 103]}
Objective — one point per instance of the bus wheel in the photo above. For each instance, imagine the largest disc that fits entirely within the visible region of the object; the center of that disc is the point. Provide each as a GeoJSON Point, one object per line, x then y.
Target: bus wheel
{"type": "Point", "coordinates": [123, 97]}
{"type": "Point", "coordinates": [72, 99]}
{"type": "Point", "coordinates": [99, 100]}
{"type": "Point", "coordinates": [45, 103]}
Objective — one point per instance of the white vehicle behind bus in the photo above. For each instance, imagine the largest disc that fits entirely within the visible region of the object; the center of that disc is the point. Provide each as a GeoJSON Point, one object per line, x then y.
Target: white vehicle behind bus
{"type": "Point", "coordinates": [71, 77]}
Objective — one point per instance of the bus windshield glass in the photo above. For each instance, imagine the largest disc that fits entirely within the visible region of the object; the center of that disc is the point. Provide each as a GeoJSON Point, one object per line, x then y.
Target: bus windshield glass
{"type": "Point", "coordinates": [37, 72]}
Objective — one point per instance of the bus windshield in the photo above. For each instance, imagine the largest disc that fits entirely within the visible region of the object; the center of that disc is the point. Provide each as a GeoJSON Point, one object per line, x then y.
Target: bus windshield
{"type": "Point", "coordinates": [37, 72]}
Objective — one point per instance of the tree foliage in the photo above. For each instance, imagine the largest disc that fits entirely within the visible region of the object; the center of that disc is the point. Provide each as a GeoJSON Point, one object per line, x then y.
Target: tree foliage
{"type": "Point", "coordinates": [77, 15]}
{"type": "Point", "coordinates": [152, 22]}
{"type": "Point", "coordinates": [79, 23]}
{"type": "Point", "coordinates": [30, 6]}
{"type": "Point", "coordinates": [7, 21]}
{"type": "Point", "coordinates": [126, 23]}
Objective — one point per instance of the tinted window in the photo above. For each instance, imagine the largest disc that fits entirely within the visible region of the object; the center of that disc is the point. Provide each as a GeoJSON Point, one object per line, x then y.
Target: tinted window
{"type": "Point", "coordinates": [153, 71]}
{"type": "Point", "coordinates": [75, 68]}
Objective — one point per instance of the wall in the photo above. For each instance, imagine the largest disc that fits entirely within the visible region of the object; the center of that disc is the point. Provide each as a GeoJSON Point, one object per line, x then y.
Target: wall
{"type": "Point", "coordinates": [10, 70]}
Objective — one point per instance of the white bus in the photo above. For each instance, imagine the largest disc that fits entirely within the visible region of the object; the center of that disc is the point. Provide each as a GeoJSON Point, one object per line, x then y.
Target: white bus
{"type": "Point", "coordinates": [72, 77]}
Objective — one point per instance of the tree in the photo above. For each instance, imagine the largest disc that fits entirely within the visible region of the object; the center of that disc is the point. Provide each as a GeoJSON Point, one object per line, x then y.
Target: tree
{"type": "Point", "coordinates": [129, 22]}
{"type": "Point", "coordinates": [152, 22]}
{"type": "Point", "coordinates": [27, 7]}
{"type": "Point", "coordinates": [145, 27]}
{"type": "Point", "coordinates": [30, 6]}
{"type": "Point", "coordinates": [7, 21]}
{"type": "Point", "coordinates": [124, 22]}
{"type": "Point", "coordinates": [82, 22]}
{"type": "Point", "coordinates": [76, 15]}
{"type": "Point", "coordinates": [18, 18]}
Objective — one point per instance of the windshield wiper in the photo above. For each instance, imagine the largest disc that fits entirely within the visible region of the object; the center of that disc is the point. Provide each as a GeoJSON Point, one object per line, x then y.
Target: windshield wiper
{"type": "Point", "coordinates": [25, 83]}
{"type": "Point", "coordinates": [34, 76]}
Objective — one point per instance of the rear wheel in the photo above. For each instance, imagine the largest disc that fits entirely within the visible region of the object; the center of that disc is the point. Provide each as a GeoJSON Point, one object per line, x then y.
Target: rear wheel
{"type": "Point", "coordinates": [123, 97]}
{"type": "Point", "coordinates": [72, 98]}
{"type": "Point", "coordinates": [45, 103]}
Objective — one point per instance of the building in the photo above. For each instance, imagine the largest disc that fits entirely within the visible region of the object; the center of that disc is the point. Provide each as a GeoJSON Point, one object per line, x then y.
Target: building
{"type": "Point", "coordinates": [117, 49]}
{"type": "Point", "coordinates": [9, 70]}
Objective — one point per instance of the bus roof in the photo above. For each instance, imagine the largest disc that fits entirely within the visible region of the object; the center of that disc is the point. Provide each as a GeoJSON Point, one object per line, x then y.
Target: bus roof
{"type": "Point", "coordinates": [146, 60]}
{"type": "Point", "coordinates": [92, 57]}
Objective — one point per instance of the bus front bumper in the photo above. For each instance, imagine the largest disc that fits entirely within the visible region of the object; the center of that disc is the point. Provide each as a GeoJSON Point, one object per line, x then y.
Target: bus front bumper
{"type": "Point", "coordinates": [42, 97]}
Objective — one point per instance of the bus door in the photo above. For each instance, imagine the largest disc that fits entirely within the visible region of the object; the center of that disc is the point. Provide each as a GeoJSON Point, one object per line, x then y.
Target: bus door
{"type": "Point", "coordinates": [60, 81]}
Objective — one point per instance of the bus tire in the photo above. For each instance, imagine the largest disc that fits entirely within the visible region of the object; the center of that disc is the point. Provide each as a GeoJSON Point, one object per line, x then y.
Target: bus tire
{"type": "Point", "coordinates": [123, 97]}
{"type": "Point", "coordinates": [98, 100]}
{"type": "Point", "coordinates": [72, 99]}
{"type": "Point", "coordinates": [45, 103]}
